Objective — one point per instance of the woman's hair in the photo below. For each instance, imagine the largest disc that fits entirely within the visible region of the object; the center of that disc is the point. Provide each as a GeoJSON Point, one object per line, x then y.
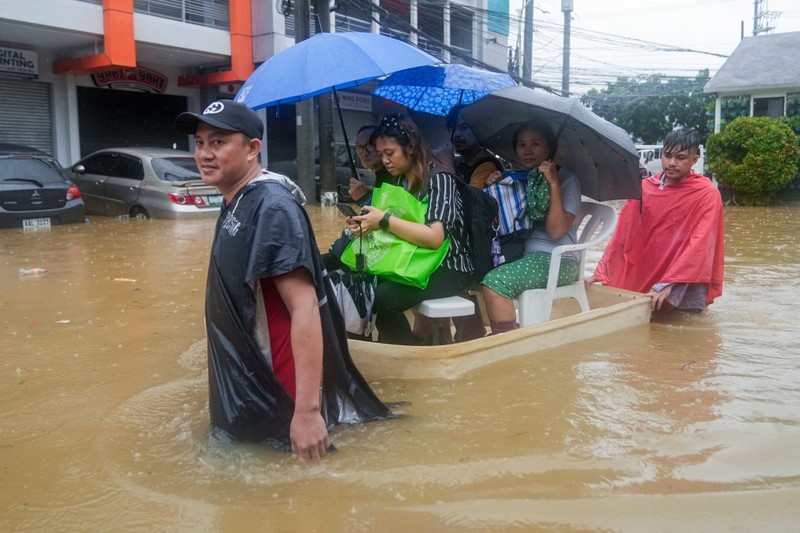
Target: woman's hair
{"type": "Point", "coordinates": [401, 129]}
{"type": "Point", "coordinates": [544, 131]}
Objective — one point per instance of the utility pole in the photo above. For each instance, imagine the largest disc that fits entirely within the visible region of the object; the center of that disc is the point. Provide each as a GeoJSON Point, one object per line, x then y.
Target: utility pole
{"type": "Point", "coordinates": [527, 47]}
{"type": "Point", "coordinates": [566, 7]}
{"type": "Point", "coordinates": [304, 113]}
{"type": "Point", "coordinates": [755, 17]}
{"type": "Point", "coordinates": [763, 21]}
{"type": "Point", "coordinates": [327, 155]}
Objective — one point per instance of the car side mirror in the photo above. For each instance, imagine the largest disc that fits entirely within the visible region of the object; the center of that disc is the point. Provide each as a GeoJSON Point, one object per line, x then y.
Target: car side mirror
{"type": "Point", "coordinates": [79, 169]}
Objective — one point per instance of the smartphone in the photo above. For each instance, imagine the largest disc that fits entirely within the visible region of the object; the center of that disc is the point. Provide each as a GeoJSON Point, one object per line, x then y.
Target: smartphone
{"type": "Point", "coordinates": [347, 209]}
{"type": "Point", "coordinates": [344, 192]}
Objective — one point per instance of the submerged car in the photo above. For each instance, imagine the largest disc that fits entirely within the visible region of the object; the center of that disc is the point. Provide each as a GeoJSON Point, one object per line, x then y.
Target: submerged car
{"type": "Point", "coordinates": [35, 192]}
{"type": "Point", "coordinates": [144, 183]}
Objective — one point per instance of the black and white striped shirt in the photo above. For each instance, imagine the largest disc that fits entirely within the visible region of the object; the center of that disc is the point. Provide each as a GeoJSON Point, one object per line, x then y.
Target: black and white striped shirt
{"type": "Point", "coordinates": [445, 205]}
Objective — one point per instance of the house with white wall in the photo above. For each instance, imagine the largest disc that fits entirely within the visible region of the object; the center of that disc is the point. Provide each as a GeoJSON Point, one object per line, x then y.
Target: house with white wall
{"type": "Point", "coordinates": [761, 78]}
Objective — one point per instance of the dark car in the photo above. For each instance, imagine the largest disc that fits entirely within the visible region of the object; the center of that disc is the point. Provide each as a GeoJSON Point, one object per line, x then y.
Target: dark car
{"type": "Point", "coordinates": [145, 183]}
{"type": "Point", "coordinates": [343, 171]}
{"type": "Point", "coordinates": [35, 192]}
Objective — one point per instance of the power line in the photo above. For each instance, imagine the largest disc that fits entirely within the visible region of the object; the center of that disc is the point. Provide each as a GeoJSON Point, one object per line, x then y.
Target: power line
{"type": "Point", "coordinates": [549, 51]}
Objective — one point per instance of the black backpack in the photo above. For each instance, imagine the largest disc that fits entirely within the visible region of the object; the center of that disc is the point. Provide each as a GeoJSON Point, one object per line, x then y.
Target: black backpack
{"type": "Point", "coordinates": [480, 219]}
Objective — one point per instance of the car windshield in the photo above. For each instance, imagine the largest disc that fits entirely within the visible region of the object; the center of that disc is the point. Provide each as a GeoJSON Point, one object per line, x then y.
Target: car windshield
{"type": "Point", "coordinates": [176, 169]}
{"type": "Point", "coordinates": [31, 169]}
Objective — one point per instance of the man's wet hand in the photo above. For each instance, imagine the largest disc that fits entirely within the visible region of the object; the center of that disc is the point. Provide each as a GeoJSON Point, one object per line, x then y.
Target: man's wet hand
{"type": "Point", "coordinates": [309, 436]}
{"type": "Point", "coordinates": [659, 299]}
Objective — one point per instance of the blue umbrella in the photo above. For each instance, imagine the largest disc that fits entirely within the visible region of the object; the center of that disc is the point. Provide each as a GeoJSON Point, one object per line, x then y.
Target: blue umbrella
{"type": "Point", "coordinates": [437, 89]}
{"type": "Point", "coordinates": [326, 62]}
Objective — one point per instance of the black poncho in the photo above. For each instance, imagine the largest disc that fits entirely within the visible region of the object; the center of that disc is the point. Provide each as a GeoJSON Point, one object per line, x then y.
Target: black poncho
{"type": "Point", "coordinates": [265, 232]}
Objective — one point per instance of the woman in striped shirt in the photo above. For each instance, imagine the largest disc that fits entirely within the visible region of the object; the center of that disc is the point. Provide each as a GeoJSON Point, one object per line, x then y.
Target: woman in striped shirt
{"type": "Point", "coordinates": [400, 145]}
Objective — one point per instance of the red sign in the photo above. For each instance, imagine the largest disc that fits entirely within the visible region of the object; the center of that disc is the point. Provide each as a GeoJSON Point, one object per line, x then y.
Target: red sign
{"type": "Point", "coordinates": [138, 78]}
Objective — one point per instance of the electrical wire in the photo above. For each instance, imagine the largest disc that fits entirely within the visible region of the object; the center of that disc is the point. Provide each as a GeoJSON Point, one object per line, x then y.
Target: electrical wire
{"type": "Point", "coordinates": [547, 37]}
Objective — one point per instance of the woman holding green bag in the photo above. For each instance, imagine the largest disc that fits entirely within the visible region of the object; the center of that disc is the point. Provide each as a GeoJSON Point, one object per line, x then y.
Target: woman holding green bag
{"type": "Point", "coordinates": [426, 213]}
{"type": "Point", "coordinates": [553, 199]}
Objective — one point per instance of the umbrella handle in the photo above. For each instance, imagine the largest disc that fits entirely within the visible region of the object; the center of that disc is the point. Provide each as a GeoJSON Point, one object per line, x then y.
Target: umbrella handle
{"type": "Point", "coordinates": [344, 131]}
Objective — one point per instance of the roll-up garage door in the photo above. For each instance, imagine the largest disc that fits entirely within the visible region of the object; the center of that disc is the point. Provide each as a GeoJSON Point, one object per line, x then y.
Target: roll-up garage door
{"type": "Point", "coordinates": [110, 118]}
{"type": "Point", "coordinates": [25, 108]}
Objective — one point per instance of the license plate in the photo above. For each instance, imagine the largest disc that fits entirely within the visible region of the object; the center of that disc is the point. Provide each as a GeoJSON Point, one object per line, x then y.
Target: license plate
{"type": "Point", "coordinates": [35, 223]}
{"type": "Point", "coordinates": [215, 199]}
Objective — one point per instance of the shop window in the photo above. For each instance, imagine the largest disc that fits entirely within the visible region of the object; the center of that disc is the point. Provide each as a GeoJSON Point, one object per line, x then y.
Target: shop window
{"type": "Point", "coordinates": [461, 33]}
{"type": "Point", "coordinates": [430, 19]}
{"type": "Point", "coordinates": [768, 107]}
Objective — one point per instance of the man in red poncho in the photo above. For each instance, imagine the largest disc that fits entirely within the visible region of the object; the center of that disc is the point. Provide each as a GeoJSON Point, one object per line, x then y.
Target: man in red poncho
{"type": "Point", "coordinates": [670, 244]}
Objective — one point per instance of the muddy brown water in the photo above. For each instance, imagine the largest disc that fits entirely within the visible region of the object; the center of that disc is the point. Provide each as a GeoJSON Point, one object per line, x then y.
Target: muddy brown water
{"type": "Point", "coordinates": [691, 423]}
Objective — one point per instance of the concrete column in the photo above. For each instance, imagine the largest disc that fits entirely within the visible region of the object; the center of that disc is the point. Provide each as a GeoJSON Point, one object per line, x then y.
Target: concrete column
{"type": "Point", "coordinates": [413, 19]}
{"type": "Point", "coordinates": [67, 144]}
{"type": "Point", "coordinates": [446, 22]}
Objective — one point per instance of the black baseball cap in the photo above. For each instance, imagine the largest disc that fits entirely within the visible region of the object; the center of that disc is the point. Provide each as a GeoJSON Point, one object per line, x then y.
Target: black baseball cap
{"type": "Point", "coordinates": [226, 115]}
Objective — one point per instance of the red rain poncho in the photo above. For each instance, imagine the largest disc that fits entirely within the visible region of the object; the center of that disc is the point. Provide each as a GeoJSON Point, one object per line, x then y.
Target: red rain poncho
{"type": "Point", "coordinates": [676, 238]}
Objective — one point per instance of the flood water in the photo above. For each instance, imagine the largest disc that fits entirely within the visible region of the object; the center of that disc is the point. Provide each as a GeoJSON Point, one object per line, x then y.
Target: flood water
{"type": "Point", "coordinates": [688, 424]}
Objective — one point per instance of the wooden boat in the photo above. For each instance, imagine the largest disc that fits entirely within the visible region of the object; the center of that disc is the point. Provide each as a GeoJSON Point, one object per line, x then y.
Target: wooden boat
{"type": "Point", "coordinates": [612, 310]}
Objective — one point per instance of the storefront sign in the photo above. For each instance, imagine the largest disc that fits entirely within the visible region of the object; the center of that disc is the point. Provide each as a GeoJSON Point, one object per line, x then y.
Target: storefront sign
{"type": "Point", "coordinates": [19, 64]}
{"type": "Point", "coordinates": [355, 101]}
{"type": "Point", "coordinates": [138, 78]}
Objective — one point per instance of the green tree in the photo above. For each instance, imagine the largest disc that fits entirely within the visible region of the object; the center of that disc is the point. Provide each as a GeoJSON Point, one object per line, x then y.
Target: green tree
{"type": "Point", "coordinates": [650, 107]}
{"type": "Point", "coordinates": [755, 157]}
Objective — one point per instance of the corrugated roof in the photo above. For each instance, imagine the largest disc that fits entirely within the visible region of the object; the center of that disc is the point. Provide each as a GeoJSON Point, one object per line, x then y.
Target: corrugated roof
{"type": "Point", "coordinates": [761, 62]}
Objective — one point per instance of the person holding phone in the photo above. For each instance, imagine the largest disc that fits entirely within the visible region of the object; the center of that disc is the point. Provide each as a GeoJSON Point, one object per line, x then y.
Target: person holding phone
{"type": "Point", "coordinates": [554, 198]}
{"type": "Point", "coordinates": [358, 191]}
{"type": "Point", "coordinates": [403, 152]}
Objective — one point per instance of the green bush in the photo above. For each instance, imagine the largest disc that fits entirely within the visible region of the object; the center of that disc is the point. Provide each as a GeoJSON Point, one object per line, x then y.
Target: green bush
{"type": "Point", "coordinates": [755, 157]}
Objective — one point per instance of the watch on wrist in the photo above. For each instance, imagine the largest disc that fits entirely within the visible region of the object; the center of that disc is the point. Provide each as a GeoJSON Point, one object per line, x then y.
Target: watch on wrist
{"type": "Point", "coordinates": [384, 223]}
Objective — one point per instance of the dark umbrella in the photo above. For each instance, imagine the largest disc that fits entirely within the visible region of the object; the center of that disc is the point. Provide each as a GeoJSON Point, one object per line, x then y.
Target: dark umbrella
{"type": "Point", "coordinates": [327, 62]}
{"type": "Point", "coordinates": [437, 89]}
{"type": "Point", "coordinates": [601, 154]}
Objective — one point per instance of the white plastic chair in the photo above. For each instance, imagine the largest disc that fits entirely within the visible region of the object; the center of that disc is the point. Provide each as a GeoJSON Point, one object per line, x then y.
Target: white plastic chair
{"type": "Point", "coordinates": [535, 305]}
{"type": "Point", "coordinates": [440, 308]}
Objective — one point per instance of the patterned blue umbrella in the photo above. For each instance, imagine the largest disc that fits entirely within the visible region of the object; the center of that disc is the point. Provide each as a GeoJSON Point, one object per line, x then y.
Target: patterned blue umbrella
{"type": "Point", "coordinates": [437, 89]}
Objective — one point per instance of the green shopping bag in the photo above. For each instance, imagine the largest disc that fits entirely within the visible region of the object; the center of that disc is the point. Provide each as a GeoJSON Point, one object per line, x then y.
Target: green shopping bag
{"type": "Point", "coordinates": [538, 195]}
{"type": "Point", "coordinates": [389, 256]}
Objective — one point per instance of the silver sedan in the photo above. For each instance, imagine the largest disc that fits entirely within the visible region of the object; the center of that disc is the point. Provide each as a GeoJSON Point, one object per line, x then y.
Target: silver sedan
{"type": "Point", "coordinates": [144, 183]}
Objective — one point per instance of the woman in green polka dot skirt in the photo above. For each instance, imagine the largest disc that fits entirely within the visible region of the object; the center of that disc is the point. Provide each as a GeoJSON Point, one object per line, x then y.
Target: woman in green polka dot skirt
{"type": "Point", "coordinates": [554, 197]}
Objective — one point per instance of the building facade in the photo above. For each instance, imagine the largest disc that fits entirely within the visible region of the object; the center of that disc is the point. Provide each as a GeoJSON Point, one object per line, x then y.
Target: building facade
{"type": "Point", "coordinates": [80, 75]}
{"type": "Point", "coordinates": [761, 78]}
